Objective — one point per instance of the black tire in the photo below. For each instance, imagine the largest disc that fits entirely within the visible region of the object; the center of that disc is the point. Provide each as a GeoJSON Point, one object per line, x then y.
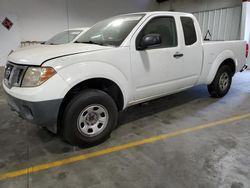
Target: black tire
{"type": "Point", "coordinates": [215, 89]}
{"type": "Point", "coordinates": [71, 130]}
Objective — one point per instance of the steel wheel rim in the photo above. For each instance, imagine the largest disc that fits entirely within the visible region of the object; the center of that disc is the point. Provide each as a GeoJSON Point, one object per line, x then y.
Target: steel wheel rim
{"type": "Point", "coordinates": [92, 120]}
{"type": "Point", "coordinates": [224, 81]}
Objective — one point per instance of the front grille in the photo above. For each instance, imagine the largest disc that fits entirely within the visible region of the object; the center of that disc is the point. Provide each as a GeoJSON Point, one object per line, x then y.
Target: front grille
{"type": "Point", "coordinates": [13, 74]}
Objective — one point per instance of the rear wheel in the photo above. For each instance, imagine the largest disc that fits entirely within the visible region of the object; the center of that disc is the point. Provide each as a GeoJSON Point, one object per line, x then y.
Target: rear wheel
{"type": "Point", "coordinates": [89, 118]}
{"type": "Point", "coordinates": [221, 83]}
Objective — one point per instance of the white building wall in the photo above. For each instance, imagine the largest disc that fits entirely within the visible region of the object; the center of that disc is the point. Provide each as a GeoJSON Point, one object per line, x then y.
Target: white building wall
{"type": "Point", "coordinates": [245, 26]}
{"type": "Point", "coordinates": [96, 10]}
{"type": "Point", "coordinates": [9, 39]}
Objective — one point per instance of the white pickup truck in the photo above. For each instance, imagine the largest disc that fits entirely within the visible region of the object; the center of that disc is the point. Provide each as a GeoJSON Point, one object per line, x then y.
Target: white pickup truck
{"type": "Point", "coordinates": [77, 89]}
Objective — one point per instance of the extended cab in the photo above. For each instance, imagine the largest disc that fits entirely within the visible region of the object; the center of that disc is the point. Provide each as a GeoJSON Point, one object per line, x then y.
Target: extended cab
{"type": "Point", "coordinates": [79, 88]}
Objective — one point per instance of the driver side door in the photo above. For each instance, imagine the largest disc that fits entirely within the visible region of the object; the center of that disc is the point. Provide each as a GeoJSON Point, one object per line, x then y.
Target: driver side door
{"type": "Point", "coordinates": [157, 70]}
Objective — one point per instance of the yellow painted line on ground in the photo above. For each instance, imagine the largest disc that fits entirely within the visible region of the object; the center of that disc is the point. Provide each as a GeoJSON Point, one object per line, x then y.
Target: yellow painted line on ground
{"type": "Point", "coordinates": [106, 151]}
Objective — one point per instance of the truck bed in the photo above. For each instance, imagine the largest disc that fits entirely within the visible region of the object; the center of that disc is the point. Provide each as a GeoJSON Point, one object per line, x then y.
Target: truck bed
{"type": "Point", "coordinates": [214, 51]}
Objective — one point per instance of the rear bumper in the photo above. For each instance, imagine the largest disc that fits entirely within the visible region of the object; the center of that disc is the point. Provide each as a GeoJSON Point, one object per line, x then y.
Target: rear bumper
{"type": "Point", "coordinates": [244, 68]}
{"type": "Point", "coordinates": [44, 113]}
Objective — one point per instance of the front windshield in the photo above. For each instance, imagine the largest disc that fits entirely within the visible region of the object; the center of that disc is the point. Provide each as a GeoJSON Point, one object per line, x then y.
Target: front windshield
{"type": "Point", "coordinates": [63, 37]}
{"type": "Point", "coordinates": [112, 31]}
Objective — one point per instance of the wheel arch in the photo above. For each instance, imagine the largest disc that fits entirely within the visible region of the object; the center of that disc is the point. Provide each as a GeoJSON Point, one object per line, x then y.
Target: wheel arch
{"type": "Point", "coordinates": [103, 84]}
{"type": "Point", "coordinates": [225, 58]}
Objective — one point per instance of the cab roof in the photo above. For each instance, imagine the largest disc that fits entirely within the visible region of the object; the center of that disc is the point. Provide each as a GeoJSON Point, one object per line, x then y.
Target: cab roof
{"type": "Point", "coordinates": [163, 12]}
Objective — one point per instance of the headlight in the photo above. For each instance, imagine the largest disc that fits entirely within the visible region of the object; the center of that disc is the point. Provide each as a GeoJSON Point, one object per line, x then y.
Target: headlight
{"type": "Point", "coordinates": [35, 76]}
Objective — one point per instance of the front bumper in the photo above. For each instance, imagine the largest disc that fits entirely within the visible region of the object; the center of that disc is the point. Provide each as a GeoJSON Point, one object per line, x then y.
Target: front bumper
{"type": "Point", "coordinates": [44, 113]}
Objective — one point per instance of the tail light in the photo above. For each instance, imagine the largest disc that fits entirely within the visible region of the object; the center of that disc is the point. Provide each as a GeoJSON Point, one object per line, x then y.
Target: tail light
{"type": "Point", "coordinates": [247, 49]}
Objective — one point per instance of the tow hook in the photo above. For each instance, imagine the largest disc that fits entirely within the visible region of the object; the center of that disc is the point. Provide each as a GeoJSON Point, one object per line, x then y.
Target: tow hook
{"type": "Point", "coordinates": [243, 68]}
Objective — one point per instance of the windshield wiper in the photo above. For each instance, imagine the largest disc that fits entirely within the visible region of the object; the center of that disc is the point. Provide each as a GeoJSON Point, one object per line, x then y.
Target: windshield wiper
{"type": "Point", "coordinates": [89, 42]}
{"type": "Point", "coordinates": [48, 43]}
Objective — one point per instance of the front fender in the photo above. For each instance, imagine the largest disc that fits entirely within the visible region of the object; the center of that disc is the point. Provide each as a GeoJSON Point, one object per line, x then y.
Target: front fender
{"type": "Point", "coordinates": [227, 54]}
{"type": "Point", "coordinates": [79, 72]}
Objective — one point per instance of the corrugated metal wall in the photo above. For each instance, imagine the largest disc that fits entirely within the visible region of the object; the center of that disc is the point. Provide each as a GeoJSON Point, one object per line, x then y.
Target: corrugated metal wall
{"type": "Point", "coordinates": [223, 24]}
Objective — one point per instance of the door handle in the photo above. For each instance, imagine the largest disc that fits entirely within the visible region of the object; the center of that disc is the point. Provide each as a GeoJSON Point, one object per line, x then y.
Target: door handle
{"type": "Point", "coordinates": [178, 55]}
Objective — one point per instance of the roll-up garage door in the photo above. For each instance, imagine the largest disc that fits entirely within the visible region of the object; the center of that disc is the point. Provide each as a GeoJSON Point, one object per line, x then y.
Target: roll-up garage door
{"type": "Point", "coordinates": [223, 24]}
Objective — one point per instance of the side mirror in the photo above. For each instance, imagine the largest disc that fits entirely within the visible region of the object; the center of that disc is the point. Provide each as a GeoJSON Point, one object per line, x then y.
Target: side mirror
{"type": "Point", "coordinates": [149, 40]}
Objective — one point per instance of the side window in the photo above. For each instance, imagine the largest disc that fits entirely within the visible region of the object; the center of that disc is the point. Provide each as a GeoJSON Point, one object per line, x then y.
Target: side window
{"type": "Point", "coordinates": [189, 30]}
{"type": "Point", "coordinates": [165, 27]}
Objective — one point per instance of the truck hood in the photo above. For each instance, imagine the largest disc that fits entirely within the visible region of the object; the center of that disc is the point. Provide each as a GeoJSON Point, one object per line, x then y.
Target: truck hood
{"type": "Point", "coordinates": [40, 54]}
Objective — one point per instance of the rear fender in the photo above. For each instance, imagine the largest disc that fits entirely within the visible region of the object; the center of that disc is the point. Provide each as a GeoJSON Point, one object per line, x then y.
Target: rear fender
{"type": "Point", "coordinates": [227, 54]}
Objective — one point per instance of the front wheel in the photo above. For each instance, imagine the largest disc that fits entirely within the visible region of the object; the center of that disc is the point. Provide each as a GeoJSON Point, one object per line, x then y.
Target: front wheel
{"type": "Point", "coordinates": [221, 83]}
{"type": "Point", "coordinates": [89, 118]}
